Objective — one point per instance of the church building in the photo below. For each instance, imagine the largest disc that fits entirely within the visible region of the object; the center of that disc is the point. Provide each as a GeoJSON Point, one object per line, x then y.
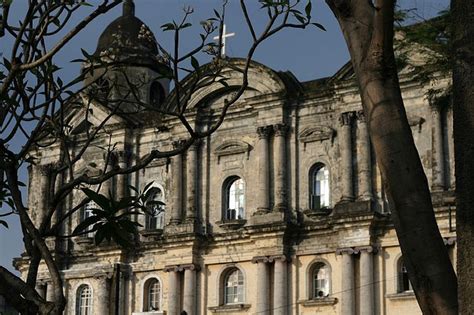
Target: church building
{"type": "Point", "coordinates": [280, 211]}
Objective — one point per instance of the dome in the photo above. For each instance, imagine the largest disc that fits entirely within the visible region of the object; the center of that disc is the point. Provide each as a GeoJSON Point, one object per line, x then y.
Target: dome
{"type": "Point", "coordinates": [128, 39]}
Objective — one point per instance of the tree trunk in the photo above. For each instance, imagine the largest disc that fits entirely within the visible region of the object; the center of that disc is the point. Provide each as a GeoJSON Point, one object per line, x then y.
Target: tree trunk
{"type": "Point", "coordinates": [463, 105]}
{"type": "Point", "coordinates": [368, 31]}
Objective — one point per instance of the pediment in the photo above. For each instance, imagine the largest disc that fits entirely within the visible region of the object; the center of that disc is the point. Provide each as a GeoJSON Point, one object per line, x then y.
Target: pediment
{"type": "Point", "coordinates": [86, 115]}
{"type": "Point", "coordinates": [233, 147]}
{"type": "Point", "coordinates": [318, 133]}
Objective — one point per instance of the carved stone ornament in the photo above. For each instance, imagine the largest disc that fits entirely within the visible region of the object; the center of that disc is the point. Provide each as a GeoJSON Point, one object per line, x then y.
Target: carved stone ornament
{"type": "Point", "coordinates": [264, 132]}
{"type": "Point", "coordinates": [416, 121]}
{"type": "Point", "coordinates": [346, 118]}
{"type": "Point", "coordinates": [232, 147]}
{"type": "Point", "coordinates": [281, 130]}
{"type": "Point", "coordinates": [318, 133]}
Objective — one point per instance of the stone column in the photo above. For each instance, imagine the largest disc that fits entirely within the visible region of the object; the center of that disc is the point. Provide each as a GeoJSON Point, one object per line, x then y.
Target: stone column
{"type": "Point", "coordinates": [263, 285]}
{"type": "Point", "coordinates": [189, 294]}
{"type": "Point", "coordinates": [177, 186]}
{"type": "Point", "coordinates": [122, 161]}
{"type": "Point", "coordinates": [44, 172]}
{"type": "Point", "coordinates": [174, 286]}
{"type": "Point", "coordinates": [191, 182]}
{"type": "Point", "coordinates": [102, 296]}
{"type": "Point", "coordinates": [347, 295]}
{"type": "Point", "coordinates": [280, 286]}
{"type": "Point", "coordinates": [437, 167]}
{"type": "Point", "coordinates": [106, 186]}
{"type": "Point", "coordinates": [363, 158]}
{"type": "Point", "coordinates": [345, 145]}
{"type": "Point", "coordinates": [263, 169]}
{"type": "Point", "coordinates": [49, 292]}
{"type": "Point", "coordinates": [366, 280]}
{"type": "Point", "coordinates": [280, 167]}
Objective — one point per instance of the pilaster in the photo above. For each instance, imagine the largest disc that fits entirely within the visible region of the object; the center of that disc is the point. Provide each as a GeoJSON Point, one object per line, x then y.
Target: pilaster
{"type": "Point", "coordinates": [345, 145]}
{"type": "Point", "coordinates": [281, 130]}
{"type": "Point", "coordinates": [264, 168]}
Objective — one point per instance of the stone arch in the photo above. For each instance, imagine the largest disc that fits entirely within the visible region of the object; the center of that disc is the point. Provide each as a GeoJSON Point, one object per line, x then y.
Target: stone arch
{"type": "Point", "coordinates": [75, 290]}
{"type": "Point", "coordinates": [309, 276]}
{"type": "Point", "coordinates": [223, 272]}
{"type": "Point", "coordinates": [143, 291]}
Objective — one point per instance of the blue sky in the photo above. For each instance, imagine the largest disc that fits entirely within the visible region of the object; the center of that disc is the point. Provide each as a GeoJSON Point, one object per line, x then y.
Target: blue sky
{"type": "Point", "coordinates": [309, 54]}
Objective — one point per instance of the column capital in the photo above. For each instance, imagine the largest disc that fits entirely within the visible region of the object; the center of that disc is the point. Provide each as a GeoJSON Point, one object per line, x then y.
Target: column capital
{"type": "Point", "coordinates": [279, 257]}
{"type": "Point", "coordinates": [190, 267]}
{"type": "Point", "coordinates": [177, 143]}
{"type": "Point", "coordinates": [345, 250]}
{"type": "Point", "coordinates": [171, 268]}
{"type": "Point", "coordinates": [449, 240]}
{"type": "Point", "coordinates": [45, 169]}
{"type": "Point", "coordinates": [264, 132]}
{"type": "Point", "coordinates": [346, 118]}
{"type": "Point", "coordinates": [368, 249]}
{"type": "Point", "coordinates": [195, 146]}
{"type": "Point", "coordinates": [123, 156]}
{"type": "Point", "coordinates": [260, 259]}
{"type": "Point", "coordinates": [361, 116]}
{"type": "Point", "coordinates": [280, 130]}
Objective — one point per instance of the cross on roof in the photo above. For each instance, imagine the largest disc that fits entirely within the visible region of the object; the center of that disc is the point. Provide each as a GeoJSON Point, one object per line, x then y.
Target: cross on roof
{"type": "Point", "coordinates": [224, 36]}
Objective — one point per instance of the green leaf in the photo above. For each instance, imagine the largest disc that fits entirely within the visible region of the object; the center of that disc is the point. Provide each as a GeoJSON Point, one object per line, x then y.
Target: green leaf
{"type": "Point", "coordinates": [319, 26]}
{"type": "Point", "coordinates": [195, 63]}
{"type": "Point", "coordinates": [307, 9]}
{"type": "Point", "coordinates": [81, 227]}
{"type": "Point", "coordinates": [185, 25]}
{"type": "Point", "coordinates": [7, 64]}
{"type": "Point", "coordinates": [99, 236]}
{"type": "Point", "coordinates": [4, 223]}
{"type": "Point", "coordinates": [168, 26]}
{"type": "Point", "coordinates": [99, 199]}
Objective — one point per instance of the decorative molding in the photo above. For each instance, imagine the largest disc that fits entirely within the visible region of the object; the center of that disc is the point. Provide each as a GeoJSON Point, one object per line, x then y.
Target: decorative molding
{"type": "Point", "coordinates": [231, 224]}
{"type": "Point", "coordinates": [180, 268]}
{"type": "Point", "coordinates": [178, 143]}
{"type": "Point", "coordinates": [229, 308]}
{"type": "Point", "coordinates": [345, 250]}
{"type": "Point", "coordinates": [449, 240]}
{"type": "Point", "coordinates": [361, 116]}
{"type": "Point", "coordinates": [232, 147]}
{"type": "Point", "coordinates": [346, 118]}
{"type": "Point", "coordinates": [416, 121]}
{"type": "Point", "coordinates": [406, 295]}
{"type": "Point", "coordinates": [278, 257]}
{"type": "Point", "coordinates": [368, 249]}
{"type": "Point", "coordinates": [264, 132]}
{"type": "Point", "coordinates": [318, 133]}
{"type": "Point", "coordinates": [281, 130]}
{"type": "Point", "coordinates": [319, 302]}
{"type": "Point", "coordinates": [260, 259]}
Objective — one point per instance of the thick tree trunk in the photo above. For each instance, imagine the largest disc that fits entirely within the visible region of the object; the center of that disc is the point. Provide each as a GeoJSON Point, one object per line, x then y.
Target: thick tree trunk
{"type": "Point", "coordinates": [463, 104]}
{"type": "Point", "coordinates": [368, 31]}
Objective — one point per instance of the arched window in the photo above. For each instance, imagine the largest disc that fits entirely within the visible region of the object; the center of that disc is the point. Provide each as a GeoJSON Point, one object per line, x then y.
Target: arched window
{"type": "Point", "coordinates": [234, 196]}
{"type": "Point", "coordinates": [320, 280]}
{"type": "Point", "coordinates": [155, 216]}
{"type": "Point", "coordinates": [319, 187]}
{"type": "Point", "coordinates": [157, 94]}
{"type": "Point", "coordinates": [84, 300]}
{"type": "Point", "coordinates": [152, 295]}
{"type": "Point", "coordinates": [86, 212]}
{"type": "Point", "coordinates": [233, 286]}
{"type": "Point", "coordinates": [404, 283]}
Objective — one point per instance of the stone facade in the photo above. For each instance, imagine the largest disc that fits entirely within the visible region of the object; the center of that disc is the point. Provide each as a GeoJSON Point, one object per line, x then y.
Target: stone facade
{"type": "Point", "coordinates": [284, 251]}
